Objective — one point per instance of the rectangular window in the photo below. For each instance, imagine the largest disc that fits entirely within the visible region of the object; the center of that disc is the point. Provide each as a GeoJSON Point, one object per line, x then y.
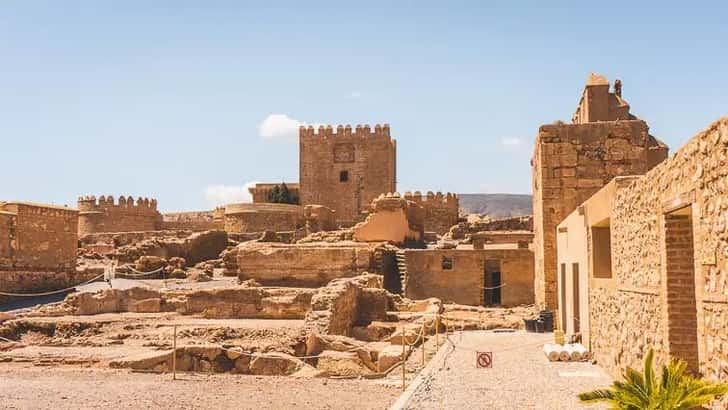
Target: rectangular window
{"type": "Point", "coordinates": [602, 251]}
{"type": "Point", "coordinates": [343, 176]}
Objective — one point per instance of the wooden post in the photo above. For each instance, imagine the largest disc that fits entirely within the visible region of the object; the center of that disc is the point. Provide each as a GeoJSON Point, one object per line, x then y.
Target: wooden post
{"type": "Point", "coordinates": [174, 354]}
{"type": "Point", "coordinates": [422, 332]}
{"type": "Point", "coordinates": [437, 332]}
{"type": "Point", "coordinates": [404, 341]}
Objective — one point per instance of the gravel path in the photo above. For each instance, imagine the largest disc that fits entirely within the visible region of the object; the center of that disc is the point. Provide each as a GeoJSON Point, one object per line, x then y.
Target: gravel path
{"type": "Point", "coordinates": [521, 377]}
{"type": "Point", "coordinates": [24, 387]}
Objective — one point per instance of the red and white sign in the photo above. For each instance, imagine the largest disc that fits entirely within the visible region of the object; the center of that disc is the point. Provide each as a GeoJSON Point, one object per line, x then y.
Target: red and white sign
{"type": "Point", "coordinates": [484, 360]}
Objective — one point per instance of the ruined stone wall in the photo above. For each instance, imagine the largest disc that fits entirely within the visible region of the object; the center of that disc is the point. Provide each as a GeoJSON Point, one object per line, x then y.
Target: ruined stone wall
{"type": "Point", "coordinates": [310, 265]}
{"type": "Point", "coordinates": [127, 215]}
{"type": "Point", "coordinates": [441, 211]}
{"type": "Point", "coordinates": [426, 275]}
{"type": "Point", "coordinates": [7, 235]}
{"type": "Point", "coordinates": [319, 218]}
{"type": "Point", "coordinates": [243, 218]}
{"type": "Point", "coordinates": [570, 163]}
{"type": "Point", "coordinates": [692, 183]}
{"type": "Point", "coordinates": [346, 169]}
{"type": "Point", "coordinates": [598, 104]}
{"type": "Point", "coordinates": [193, 221]}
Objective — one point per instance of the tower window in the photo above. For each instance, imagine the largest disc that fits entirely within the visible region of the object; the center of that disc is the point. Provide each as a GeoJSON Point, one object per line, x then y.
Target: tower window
{"type": "Point", "coordinates": [343, 176]}
{"type": "Point", "coordinates": [446, 263]}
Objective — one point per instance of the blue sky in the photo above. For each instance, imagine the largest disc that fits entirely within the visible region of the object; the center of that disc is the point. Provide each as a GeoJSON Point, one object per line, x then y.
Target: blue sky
{"type": "Point", "coordinates": [167, 99]}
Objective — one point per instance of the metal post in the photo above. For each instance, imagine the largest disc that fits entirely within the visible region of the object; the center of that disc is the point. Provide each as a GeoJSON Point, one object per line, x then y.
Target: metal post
{"type": "Point", "coordinates": [174, 354]}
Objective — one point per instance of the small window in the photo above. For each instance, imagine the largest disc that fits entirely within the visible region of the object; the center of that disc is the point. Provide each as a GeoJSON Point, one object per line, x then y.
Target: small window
{"type": "Point", "coordinates": [601, 252]}
{"type": "Point", "coordinates": [446, 263]}
{"type": "Point", "coordinates": [343, 176]}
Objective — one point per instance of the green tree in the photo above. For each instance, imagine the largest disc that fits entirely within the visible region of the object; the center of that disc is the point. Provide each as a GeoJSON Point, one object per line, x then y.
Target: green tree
{"type": "Point", "coordinates": [280, 194]}
{"type": "Point", "coordinates": [675, 390]}
{"type": "Point", "coordinates": [274, 195]}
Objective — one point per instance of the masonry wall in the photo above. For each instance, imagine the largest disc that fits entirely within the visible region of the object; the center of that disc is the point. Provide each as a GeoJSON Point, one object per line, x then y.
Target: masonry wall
{"type": "Point", "coordinates": [441, 211]}
{"type": "Point", "coordinates": [193, 221]}
{"type": "Point", "coordinates": [126, 215]}
{"type": "Point", "coordinates": [346, 169]}
{"type": "Point", "coordinates": [636, 309]}
{"type": "Point", "coordinates": [426, 277]}
{"type": "Point", "coordinates": [309, 265]}
{"type": "Point", "coordinates": [570, 163]}
{"type": "Point", "coordinates": [37, 247]}
{"type": "Point", "coordinates": [243, 218]}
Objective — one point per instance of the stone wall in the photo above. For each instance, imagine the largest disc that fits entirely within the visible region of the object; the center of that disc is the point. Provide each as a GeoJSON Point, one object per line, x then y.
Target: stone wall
{"type": "Point", "coordinates": [427, 276]}
{"type": "Point", "coordinates": [126, 215]}
{"type": "Point", "coordinates": [194, 220]}
{"type": "Point", "coordinates": [319, 218]}
{"type": "Point", "coordinates": [311, 264]}
{"type": "Point", "coordinates": [661, 294]}
{"type": "Point", "coordinates": [37, 247]}
{"type": "Point", "coordinates": [392, 219]}
{"type": "Point", "coordinates": [441, 211]}
{"type": "Point", "coordinates": [243, 218]}
{"type": "Point", "coordinates": [346, 169]}
{"type": "Point", "coordinates": [570, 163]}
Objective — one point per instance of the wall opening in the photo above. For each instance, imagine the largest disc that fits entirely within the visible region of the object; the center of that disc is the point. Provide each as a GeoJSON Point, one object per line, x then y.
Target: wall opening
{"type": "Point", "coordinates": [391, 273]}
{"type": "Point", "coordinates": [576, 309]}
{"type": "Point", "coordinates": [682, 317]}
{"type": "Point", "coordinates": [446, 263]}
{"type": "Point", "coordinates": [562, 295]}
{"type": "Point", "coordinates": [601, 236]}
{"type": "Point", "coordinates": [492, 283]}
{"type": "Point", "coordinates": [343, 176]}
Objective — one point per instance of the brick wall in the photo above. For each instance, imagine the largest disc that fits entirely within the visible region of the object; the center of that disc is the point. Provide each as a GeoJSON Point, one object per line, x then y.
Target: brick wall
{"type": "Point", "coordinates": [346, 169]}
{"type": "Point", "coordinates": [426, 277]}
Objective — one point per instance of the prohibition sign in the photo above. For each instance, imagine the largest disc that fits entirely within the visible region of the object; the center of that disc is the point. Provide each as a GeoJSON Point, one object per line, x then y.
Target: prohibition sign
{"type": "Point", "coordinates": [484, 360]}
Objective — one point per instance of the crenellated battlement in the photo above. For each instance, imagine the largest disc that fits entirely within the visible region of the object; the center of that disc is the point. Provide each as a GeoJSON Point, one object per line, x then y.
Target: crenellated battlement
{"type": "Point", "coordinates": [448, 199]}
{"type": "Point", "coordinates": [141, 205]}
{"type": "Point", "coordinates": [361, 131]}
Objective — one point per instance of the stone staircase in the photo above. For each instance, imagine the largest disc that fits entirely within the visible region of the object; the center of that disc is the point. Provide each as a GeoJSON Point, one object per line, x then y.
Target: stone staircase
{"type": "Point", "coordinates": [402, 267]}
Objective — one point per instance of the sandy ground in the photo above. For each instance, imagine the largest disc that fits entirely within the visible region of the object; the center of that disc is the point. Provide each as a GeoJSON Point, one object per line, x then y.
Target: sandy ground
{"type": "Point", "coordinates": [30, 387]}
{"type": "Point", "coordinates": [521, 376]}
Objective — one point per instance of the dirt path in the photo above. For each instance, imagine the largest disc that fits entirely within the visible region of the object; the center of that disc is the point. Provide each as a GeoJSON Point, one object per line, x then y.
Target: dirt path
{"type": "Point", "coordinates": [521, 377]}
{"type": "Point", "coordinates": [28, 387]}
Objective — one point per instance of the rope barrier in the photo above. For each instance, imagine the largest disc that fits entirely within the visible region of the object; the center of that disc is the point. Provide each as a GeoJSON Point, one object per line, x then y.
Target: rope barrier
{"type": "Point", "coordinates": [493, 287]}
{"type": "Point", "coordinates": [140, 273]}
{"type": "Point", "coordinates": [54, 292]}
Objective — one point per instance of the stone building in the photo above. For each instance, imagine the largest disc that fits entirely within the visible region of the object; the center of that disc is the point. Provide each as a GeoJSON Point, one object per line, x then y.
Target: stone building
{"type": "Point", "coordinates": [572, 161]}
{"type": "Point", "coordinates": [260, 192]}
{"type": "Point", "coordinates": [501, 276]}
{"type": "Point", "coordinates": [127, 215]}
{"type": "Point", "coordinates": [345, 169]}
{"type": "Point", "coordinates": [37, 247]}
{"type": "Point", "coordinates": [194, 220]}
{"type": "Point", "coordinates": [441, 211]}
{"type": "Point", "coordinates": [644, 262]}
{"type": "Point", "coordinates": [260, 217]}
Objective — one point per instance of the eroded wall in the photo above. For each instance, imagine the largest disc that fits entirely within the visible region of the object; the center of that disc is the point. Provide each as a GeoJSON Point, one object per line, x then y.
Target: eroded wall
{"type": "Point", "coordinates": [441, 211]}
{"type": "Point", "coordinates": [426, 275]}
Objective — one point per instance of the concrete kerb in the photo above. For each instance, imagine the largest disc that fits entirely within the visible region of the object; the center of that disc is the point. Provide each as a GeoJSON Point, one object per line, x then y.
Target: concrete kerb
{"type": "Point", "coordinates": [433, 365]}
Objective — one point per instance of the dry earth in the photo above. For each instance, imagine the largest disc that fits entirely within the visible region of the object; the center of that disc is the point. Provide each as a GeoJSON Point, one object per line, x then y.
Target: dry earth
{"type": "Point", "coordinates": [23, 386]}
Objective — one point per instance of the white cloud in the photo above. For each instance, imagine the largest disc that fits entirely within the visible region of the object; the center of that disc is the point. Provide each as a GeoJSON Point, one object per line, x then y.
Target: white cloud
{"type": "Point", "coordinates": [354, 95]}
{"type": "Point", "coordinates": [511, 141]}
{"type": "Point", "coordinates": [279, 127]}
{"type": "Point", "coordinates": [217, 195]}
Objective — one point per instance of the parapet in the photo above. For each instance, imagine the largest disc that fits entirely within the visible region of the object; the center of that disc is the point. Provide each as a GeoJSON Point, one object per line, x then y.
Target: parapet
{"type": "Point", "coordinates": [361, 131]}
{"type": "Point", "coordinates": [91, 204]}
{"type": "Point", "coordinates": [449, 198]}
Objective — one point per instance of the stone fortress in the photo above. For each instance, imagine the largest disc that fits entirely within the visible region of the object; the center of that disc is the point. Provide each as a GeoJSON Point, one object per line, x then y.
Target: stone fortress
{"type": "Point", "coordinates": [628, 246]}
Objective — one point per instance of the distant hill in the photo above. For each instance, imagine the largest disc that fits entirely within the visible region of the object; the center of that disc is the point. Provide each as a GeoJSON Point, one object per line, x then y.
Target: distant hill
{"type": "Point", "coordinates": [497, 205]}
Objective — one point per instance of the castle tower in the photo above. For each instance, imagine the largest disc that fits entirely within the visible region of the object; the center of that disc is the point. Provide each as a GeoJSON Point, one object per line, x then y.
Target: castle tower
{"type": "Point", "coordinates": [573, 161]}
{"type": "Point", "coordinates": [127, 215]}
{"type": "Point", "coordinates": [346, 169]}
